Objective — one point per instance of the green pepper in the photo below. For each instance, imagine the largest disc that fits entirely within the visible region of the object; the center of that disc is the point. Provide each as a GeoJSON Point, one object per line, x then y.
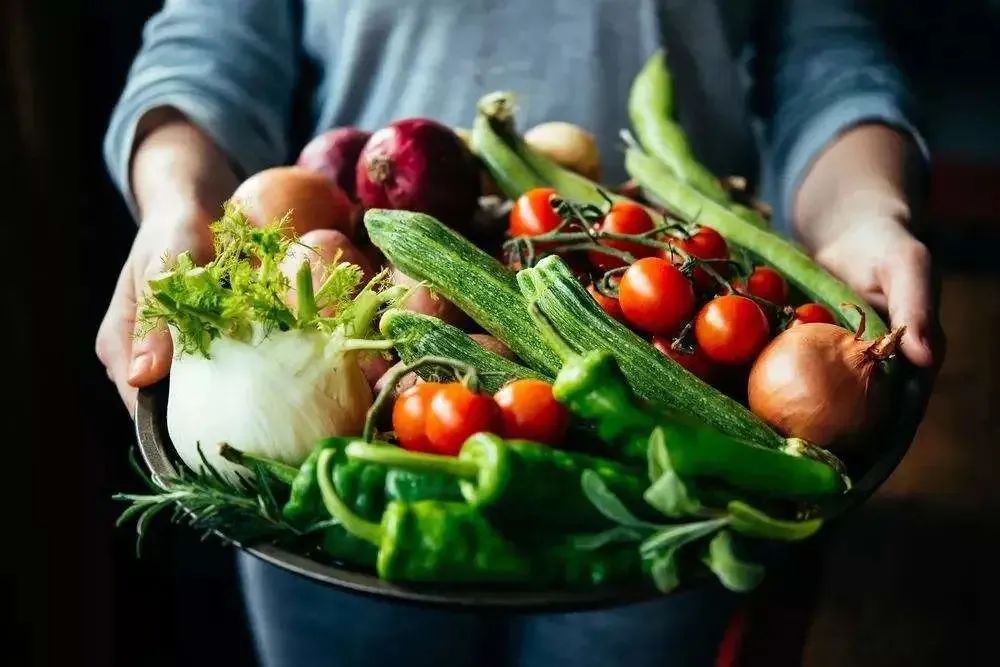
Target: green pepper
{"type": "Point", "coordinates": [593, 387]}
{"type": "Point", "coordinates": [520, 482]}
{"type": "Point", "coordinates": [562, 564]}
{"type": "Point", "coordinates": [428, 540]}
{"type": "Point", "coordinates": [409, 486]}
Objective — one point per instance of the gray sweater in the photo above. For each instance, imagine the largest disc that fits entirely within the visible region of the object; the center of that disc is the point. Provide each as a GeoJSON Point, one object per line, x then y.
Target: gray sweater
{"type": "Point", "coordinates": [263, 76]}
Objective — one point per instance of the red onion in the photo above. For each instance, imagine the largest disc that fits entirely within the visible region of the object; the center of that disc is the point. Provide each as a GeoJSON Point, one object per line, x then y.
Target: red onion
{"type": "Point", "coordinates": [419, 165]}
{"type": "Point", "coordinates": [335, 155]}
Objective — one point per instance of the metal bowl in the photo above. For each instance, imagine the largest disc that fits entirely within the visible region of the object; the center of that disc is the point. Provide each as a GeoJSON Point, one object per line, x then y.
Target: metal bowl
{"type": "Point", "coordinates": [894, 436]}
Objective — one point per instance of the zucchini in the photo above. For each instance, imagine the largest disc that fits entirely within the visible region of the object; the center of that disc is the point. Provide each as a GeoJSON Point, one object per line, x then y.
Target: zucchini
{"type": "Point", "coordinates": [652, 375]}
{"type": "Point", "coordinates": [794, 264]}
{"type": "Point", "coordinates": [518, 168]}
{"type": "Point", "coordinates": [415, 335]}
{"type": "Point", "coordinates": [424, 249]}
{"type": "Point", "coordinates": [510, 173]}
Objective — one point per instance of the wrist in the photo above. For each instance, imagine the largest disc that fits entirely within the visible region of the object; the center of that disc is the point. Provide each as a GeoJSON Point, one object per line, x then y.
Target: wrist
{"type": "Point", "coordinates": [178, 173]}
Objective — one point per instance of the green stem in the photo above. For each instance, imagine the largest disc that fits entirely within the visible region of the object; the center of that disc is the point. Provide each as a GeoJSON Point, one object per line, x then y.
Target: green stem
{"type": "Point", "coordinates": [280, 470]}
{"type": "Point", "coordinates": [367, 344]}
{"type": "Point", "coordinates": [467, 371]}
{"type": "Point", "coordinates": [352, 523]}
{"type": "Point", "coordinates": [395, 457]}
{"type": "Point", "coordinates": [305, 297]}
{"type": "Point", "coordinates": [682, 533]}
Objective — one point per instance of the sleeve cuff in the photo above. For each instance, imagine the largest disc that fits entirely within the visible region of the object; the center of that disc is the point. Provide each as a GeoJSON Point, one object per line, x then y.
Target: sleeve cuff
{"type": "Point", "coordinates": [826, 126]}
{"type": "Point", "coordinates": [240, 143]}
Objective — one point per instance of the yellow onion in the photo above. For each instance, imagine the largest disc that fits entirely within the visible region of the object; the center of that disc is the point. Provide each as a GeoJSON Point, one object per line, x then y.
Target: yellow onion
{"type": "Point", "coordinates": [820, 382]}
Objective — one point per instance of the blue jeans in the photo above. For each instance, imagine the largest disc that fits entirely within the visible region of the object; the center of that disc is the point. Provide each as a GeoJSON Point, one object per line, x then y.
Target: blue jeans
{"type": "Point", "coordinates": [297, 623]}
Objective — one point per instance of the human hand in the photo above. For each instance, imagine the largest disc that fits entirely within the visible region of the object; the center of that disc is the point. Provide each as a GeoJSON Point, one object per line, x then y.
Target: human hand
{"type": "Point", "coordinates": [132, 363]}
{"type": "Point", "coordinates": [853, 212]}
{"type": "Point", "coordinates": [889, 268]}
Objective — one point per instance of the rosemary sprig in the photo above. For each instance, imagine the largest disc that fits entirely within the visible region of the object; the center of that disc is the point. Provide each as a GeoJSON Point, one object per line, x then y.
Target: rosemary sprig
{"type": "Point", "coordinates": [244, 512]}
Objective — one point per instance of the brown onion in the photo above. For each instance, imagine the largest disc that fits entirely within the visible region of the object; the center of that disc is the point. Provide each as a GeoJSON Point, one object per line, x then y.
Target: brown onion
{"type": "Point", "coordinates": [313, 201]}
{"type": "Point", "coordinates": [820, 382]}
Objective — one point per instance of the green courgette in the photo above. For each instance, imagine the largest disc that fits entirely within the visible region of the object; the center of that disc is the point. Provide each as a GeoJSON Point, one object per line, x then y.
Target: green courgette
{"type": "Point", "coordinates": [424, 249]}
{"type": "Point", "coordinates": [508, 170]}
{"type": "Point", "coordinates": [795, 265]}
{"type": "Point", "coordinates": [415, 336]}
{"type": "Point", "coordinates": [652, 375]}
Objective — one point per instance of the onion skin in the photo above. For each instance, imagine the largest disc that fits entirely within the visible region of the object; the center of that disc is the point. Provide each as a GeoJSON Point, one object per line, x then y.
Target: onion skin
{"type": "Point", "coordinates": [314, 202]}
{"type": "Point", "coordinates": [424, 301]}
{"type": "Point", "coordinates": [567, 145]}
{"type": "Point", "coordinates": [820, 382]}
{"type": "Point", "coordinates": [334, 154]}
{"type": "Point", "coordinates": [419, 165]}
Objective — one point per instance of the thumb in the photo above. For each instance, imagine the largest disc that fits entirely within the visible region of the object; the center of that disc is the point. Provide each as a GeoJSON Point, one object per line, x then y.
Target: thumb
{"type": "Point", "coordinates": [152, 350]}
{"type": "Point", "coordinates": [906, 283]}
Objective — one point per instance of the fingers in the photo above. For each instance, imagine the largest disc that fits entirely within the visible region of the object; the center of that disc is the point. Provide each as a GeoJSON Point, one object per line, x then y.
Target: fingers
{"type": "Point", "coordinates": [114, 338]}
{"type": "Point", "coordinates": [906, 283]}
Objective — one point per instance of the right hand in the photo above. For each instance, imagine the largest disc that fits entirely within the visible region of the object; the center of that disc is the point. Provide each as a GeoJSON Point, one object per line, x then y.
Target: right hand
{"type": "Point", "coordinates": [133, 363]}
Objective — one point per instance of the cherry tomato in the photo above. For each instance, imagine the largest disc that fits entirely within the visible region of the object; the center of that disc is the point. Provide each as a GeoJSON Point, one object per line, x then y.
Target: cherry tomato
{"type": "Point", "coordinates": [529, 411]}
{"type": "Point", "coordinates": [695, 363]}
{"type": "Point", "coordinates": [813, 312]}
{"type": "Point", "coordinates": [409, 416]}
{"type": "Point", "coordinates": [655, 296]}
{"type": "Point", "coordinates": [608, 304]}
{"type": "Point", "coordinates": [455, 413]}
{"type": "Point", "coordinates": [625, 217]}
{"type": "Point", "coordinates": [706, 243]}
{"type": "Point", "coordinates": [766, 283]}
{"type": "Point", "coordinates": [731, 329]}
{"type": "Point", "coordinates": [533, 214]}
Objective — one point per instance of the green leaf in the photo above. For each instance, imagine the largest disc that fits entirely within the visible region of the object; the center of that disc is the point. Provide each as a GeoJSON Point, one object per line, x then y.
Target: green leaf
{"type": "Point", "coordinates": [664, 570]}
{"type": "Point", "coordinates": [595, 541]}
{"type": "Point", "coordinates": [733, 572]}
{"type": "Point", "coordinates": [680, 534]}
{"type": "Point", "coordinates": [752, 522]}
{"type": "Point", "coordinates": [608, 504]}
{"type": "Point", "coordinates": [667, 493]}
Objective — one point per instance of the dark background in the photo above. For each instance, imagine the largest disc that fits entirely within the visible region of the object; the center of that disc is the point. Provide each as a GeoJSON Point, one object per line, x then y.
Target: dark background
{"type": "Point", "coordinates": [73, 591]}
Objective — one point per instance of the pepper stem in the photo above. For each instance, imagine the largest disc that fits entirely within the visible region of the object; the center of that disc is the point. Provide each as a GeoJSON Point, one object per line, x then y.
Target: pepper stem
{"type": "Point", "coordinates": [395, 457]}
{"type": "Point", "coordinates": [305, 298]}
{"type": "Point", "coordinates": [341, 513]}
{"type": "Point", "coordinates": [281, 471]}
{"type": "Point", "coordinates": [466, 371]}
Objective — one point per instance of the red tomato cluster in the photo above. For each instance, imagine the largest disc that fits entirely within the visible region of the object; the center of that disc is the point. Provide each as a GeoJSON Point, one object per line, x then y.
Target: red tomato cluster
{"type": "Point", "coordinates": [439, 417]}
{"type": "Point", "coordinates": [729, 324]}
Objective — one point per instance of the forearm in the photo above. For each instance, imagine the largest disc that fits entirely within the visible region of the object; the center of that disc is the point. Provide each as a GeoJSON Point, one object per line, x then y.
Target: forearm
{"type": "Point", "coordinates": [870, 171]}
{"type": "Point", "coordinates": [177, 171]}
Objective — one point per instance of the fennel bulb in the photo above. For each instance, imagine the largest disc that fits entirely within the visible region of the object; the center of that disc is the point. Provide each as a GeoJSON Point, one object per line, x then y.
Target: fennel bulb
{"type": "Point", "coordinates": [259, 366]}
{"type": "Point", "coordinates": [274, 397]}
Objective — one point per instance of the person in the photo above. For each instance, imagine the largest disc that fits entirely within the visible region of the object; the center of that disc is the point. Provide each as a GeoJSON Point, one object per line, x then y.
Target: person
{"type": "Point", "coordinates": [803, 93]}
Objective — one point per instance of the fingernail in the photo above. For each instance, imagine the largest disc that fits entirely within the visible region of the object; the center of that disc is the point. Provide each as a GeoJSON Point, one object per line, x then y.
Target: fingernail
{"type": "Point", "coordinates": [141, 366]}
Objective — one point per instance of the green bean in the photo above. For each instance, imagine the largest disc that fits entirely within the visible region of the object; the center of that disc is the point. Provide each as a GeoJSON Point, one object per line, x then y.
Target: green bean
{"type": "Point", "coordinates": [651, 110]}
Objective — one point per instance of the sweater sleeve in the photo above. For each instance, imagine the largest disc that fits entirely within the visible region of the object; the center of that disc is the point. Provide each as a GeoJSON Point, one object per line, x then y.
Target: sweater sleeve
{"type": "Point", "coordinates": [823, 68]}
{"type": "Point", "coordinates": [228, 65]}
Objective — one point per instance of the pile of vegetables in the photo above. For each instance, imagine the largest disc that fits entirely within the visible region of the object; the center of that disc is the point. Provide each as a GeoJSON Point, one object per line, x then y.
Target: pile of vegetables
{"type": "Point", "coordinates": [674, 387]}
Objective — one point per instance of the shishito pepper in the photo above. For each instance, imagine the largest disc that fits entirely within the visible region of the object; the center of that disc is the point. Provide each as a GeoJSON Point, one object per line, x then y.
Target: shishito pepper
{"type": "Point", "coordinates": [366, 487]}
{"type": "Point", "coordinates": [427, 540]}
{"type": "Point", "coordinates": [517, 481]}
{"type": "Point", "coordinates": [446, 541]}
{"type": "Point", "coordinates": [593, 387]}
